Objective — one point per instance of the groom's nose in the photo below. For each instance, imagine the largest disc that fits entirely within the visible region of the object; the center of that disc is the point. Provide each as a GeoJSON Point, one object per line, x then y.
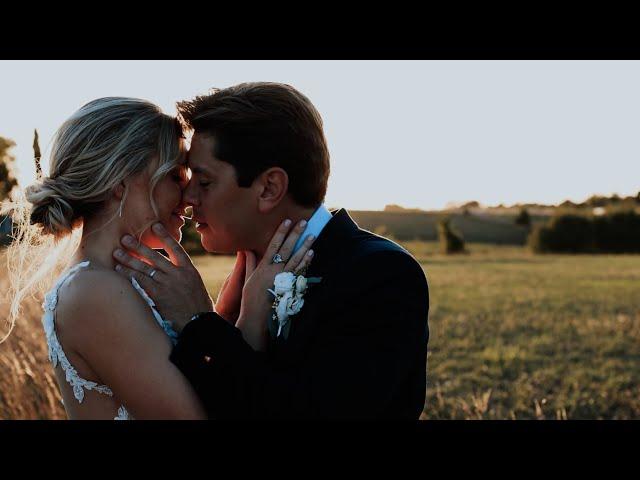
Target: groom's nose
{"type": "Point", "coordinates": [189, 195]}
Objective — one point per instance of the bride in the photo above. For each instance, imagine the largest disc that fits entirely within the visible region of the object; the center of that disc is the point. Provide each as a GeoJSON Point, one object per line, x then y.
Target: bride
{"type": "Point", "coordinates": [117, 166]}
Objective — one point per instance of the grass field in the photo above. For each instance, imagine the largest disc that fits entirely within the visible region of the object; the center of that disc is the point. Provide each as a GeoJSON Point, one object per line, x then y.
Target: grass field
{"type": "Point", "coordinates": [407, 226]}
{"type": "Point", "coordinates": [513, 335]}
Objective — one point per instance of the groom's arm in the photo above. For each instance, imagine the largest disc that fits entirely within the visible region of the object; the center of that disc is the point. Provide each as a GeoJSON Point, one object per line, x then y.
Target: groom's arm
{"type": "Point", "coordinates": [372, 345]}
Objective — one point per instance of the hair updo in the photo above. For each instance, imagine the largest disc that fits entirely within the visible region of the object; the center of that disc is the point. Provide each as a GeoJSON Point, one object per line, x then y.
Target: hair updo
{"type": "Point", "coordinates": [50, 209]}
{"type": "Point", "coordinates": [105, 142]}
{"type": "Point", "coordinates": [100, 145]}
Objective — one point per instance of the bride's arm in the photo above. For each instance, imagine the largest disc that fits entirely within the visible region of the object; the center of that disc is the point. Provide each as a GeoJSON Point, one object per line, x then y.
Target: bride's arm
{"type": "Point", "coordinates": [115, 332]}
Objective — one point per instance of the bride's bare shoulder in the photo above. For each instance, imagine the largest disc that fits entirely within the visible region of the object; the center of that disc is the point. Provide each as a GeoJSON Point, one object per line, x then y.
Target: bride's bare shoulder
{"type": "Point", "coordinates": [95, 300]}
{"type": "Point", "coordinates": [97, 286]}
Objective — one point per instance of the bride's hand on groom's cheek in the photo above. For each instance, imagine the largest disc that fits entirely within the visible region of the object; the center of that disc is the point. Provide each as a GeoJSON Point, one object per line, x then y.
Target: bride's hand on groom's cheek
{"type": "Point", "coordinates": [173, 283]}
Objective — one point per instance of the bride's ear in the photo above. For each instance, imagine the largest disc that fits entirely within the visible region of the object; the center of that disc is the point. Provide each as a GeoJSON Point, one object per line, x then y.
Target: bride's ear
{"type": "Point", "coordinates": [118, 190]}
{"type": "Point", "coordinates": [273, 185]}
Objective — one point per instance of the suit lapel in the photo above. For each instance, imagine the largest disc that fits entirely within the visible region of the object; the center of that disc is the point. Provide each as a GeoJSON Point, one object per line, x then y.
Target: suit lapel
{"type": "Point", "coordinates": [329, 249]}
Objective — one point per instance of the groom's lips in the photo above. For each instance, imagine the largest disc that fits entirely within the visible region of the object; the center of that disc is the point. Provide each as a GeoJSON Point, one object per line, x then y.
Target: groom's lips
{"type": "Point", "coordinates": [179, 215]}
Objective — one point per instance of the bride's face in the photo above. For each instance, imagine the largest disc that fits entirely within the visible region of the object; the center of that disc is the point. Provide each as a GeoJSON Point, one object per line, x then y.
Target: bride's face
{"type": "Point", "coordinates": [167, 196]}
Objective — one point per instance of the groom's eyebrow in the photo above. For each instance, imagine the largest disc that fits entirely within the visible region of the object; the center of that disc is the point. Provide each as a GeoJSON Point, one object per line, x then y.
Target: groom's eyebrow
{"type": "Point", "coordinates": [199, 170]}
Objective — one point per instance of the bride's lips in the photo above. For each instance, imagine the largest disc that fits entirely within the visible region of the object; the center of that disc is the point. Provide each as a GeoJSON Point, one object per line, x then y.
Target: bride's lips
{"type": "Point", "coordinates": [179, 216]}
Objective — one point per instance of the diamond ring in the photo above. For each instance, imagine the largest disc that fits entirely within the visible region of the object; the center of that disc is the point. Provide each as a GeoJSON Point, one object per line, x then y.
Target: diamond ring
{"type": "Point", "coordinates": [277, 259]}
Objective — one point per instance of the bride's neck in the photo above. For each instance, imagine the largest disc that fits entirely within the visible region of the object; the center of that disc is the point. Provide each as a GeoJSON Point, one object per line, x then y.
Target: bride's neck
{"type": "Point", "coordinates": [98, 242]}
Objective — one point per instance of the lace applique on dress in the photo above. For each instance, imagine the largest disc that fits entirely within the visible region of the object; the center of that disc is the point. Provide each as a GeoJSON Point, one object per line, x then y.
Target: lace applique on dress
{"type": "Point", "coordinates": [57, 355]}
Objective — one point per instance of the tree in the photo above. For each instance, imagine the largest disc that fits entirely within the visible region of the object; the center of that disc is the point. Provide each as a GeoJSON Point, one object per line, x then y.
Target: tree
{"type": "Point", "coordinates": [523, 218]}
{"type": "Point", "coordinates": [450, 240]}
{"type": "Point", "coordinates": [7, 180]}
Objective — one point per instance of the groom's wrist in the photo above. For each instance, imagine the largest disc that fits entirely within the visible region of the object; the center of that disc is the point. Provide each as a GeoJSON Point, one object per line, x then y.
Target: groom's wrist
{"type": "Point", "coordinates": [200, 315]}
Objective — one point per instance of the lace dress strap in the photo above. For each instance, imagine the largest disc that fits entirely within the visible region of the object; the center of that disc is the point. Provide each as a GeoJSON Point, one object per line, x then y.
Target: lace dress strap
{"type": "Point", "coordinates": [166, 325]}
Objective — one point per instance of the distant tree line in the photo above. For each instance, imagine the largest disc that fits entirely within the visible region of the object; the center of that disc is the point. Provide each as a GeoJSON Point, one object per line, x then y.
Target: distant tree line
{"type": "Point", "coordinates": [615, 232]}
{"type": "Point", "coordinates": [7, 183]}
{"type": "Point", "coordinates": [7, 179]}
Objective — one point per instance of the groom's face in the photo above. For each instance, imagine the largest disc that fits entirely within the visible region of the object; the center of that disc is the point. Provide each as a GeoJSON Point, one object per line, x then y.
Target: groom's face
{"type": "Point", "coordinates": [226, 213]}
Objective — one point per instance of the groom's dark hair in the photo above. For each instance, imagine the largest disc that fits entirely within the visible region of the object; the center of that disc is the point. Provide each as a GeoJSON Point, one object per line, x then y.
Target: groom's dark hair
{"type": "Point", "coordinates": [261, 125]}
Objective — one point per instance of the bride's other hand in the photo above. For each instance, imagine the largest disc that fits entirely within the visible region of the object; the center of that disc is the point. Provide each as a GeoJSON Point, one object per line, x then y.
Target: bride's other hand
{"type": "Point", "coordinates": [256, 303]}
{"type": "Point", "coordinates": [174, 284]}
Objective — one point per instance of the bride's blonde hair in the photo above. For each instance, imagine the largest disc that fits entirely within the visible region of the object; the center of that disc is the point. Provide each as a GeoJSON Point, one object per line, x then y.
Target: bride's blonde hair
{"type": "Point", "coordinates": [105, 142]}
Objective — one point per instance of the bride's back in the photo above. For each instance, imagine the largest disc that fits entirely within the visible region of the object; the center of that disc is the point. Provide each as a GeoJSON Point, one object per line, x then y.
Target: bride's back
{"type": "Point", "coordinates": [83, 326]}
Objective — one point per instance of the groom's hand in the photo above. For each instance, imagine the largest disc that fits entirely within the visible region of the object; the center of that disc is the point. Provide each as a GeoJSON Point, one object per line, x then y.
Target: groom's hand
{"type": "Point", "coordinates": [174, 284]}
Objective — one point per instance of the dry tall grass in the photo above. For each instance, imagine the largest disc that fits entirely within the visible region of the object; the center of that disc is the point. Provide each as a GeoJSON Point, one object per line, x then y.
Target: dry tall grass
{"type": "Point", "coordinates": [28, 388]}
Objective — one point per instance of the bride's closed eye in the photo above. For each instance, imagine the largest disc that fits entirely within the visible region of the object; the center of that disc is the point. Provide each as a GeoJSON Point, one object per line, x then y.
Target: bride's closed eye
{"type": "Point", "coordinates": [180, 175]}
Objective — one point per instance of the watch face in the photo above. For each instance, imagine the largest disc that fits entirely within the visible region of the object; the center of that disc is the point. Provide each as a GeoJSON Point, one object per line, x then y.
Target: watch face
{"type": "Point", "coordinates": [200, 315]}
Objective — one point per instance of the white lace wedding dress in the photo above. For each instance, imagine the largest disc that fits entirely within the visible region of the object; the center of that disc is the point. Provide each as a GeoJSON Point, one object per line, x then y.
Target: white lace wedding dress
{"type": "Point", "coordinates": [56, 353]}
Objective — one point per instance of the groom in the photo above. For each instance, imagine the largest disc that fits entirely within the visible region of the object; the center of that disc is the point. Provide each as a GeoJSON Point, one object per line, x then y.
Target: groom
{"type": "Point", "coordinates": [358, 347]}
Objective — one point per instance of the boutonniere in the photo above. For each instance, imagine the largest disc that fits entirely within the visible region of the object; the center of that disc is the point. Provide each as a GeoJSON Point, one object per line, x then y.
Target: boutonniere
{"type": "Point", "coordinates": [288, 292]}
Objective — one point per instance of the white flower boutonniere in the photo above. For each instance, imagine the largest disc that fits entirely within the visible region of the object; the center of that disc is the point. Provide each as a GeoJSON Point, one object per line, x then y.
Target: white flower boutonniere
{"type": "Point", "coordinates": [288, 291]}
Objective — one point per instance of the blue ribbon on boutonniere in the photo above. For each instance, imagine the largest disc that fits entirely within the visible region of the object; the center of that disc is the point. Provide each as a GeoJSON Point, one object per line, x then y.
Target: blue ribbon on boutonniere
{"type": "Point", "coordinates": [288, 293]}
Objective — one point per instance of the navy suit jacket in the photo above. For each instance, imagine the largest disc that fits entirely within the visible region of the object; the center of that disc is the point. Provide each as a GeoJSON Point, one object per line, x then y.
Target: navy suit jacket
{"type": "Point", "coordinates": [357, 349]}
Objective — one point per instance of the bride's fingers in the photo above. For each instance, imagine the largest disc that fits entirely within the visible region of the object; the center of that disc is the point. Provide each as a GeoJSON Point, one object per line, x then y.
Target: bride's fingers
{"type": "Point", "coordinates": [134, 264]}
{"type": "Point", "coordinates": [304, 263]}
{"type": "Point", "coordinates": [250, 263]}
{"type": "Point", "coordinates": [239, 268]}
{"type": "Point", "coordinates": [292, 238]}
{"type": "Point", "coordinates": [276, 241]}
{"type": "Point", "coordinates": [156, 258]}
{"type": "Point", "coordinates": [299, 255]}
{"type": "Point", "coordinates": [148, 284]}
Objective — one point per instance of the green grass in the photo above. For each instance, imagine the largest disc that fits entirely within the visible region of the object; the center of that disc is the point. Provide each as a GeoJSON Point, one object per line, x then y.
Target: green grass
{"type": "Point", "coordinates": [517, 335]}
{"type": "Point", "coordinates": [513, 335]}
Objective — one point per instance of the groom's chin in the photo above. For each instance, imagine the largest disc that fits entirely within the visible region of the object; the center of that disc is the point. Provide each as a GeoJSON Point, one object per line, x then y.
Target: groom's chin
{"type": "Point", "coordinates": [215, 247]}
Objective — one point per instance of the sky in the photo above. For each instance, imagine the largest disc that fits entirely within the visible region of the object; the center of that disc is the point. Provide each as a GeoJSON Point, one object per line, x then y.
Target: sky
{"type": "Point", "coordinates": [421, 134]}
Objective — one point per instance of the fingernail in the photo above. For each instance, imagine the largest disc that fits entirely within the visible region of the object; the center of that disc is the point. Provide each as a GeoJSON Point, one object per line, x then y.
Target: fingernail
{"type": "Point", "coordinates": [303, 223]}
{"type": "Point", "coordinates": [119, 252]}
{"type": "Point", "coordinates": [127, 240]}
{"type": "Point", "coordinates": [287, 222]}
{"type": "Point", "coordinates": [118, 268]}
{"type": "Point", "coordinates": [310, 253]}
{"type": "Point", "coordinates": [310, 238]}
{"type": "Point", "coordinates": [158, 228]}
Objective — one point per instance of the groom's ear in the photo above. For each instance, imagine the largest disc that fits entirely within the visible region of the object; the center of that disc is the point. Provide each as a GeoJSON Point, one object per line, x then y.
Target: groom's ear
{"type": "Point", "coordinates": [273, 185]}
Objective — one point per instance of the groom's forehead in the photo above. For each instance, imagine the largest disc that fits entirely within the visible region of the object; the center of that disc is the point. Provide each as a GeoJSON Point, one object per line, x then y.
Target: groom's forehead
{"type": "Point", "coordinates": [200, 153]}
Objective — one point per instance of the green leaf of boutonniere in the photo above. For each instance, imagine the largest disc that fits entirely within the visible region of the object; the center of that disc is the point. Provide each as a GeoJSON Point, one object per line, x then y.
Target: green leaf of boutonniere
{"type": "Point", "coordinates": [285, 329]}
{"type": "Point", "coordinates": [272, 325]}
